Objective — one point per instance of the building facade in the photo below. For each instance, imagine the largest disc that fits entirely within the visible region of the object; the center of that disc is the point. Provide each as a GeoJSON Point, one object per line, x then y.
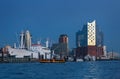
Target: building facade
{"type": "Point", "coordinates": [61, 48]}
{"type": "Point", "coordinates": [89, 41]}
{"type": "Point", "coordinates": [90, 35]}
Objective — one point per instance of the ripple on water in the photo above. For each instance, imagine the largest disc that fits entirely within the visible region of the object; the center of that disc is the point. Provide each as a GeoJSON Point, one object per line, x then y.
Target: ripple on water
{"type": "Point", "coordinates": [73, 70]}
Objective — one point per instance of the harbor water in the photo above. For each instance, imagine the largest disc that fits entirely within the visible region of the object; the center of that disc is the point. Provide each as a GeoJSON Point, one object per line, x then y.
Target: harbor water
{"type": "Point", "coordinates": [68, 70]}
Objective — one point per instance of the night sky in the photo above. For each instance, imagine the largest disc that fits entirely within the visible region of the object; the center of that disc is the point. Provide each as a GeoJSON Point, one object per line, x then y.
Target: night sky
{"type": "Point", "coordinates": [50, 18]}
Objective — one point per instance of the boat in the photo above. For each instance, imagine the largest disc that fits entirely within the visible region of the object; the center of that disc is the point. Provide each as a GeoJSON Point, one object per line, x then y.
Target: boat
{"type": "Point", "coordinates": [28, 49]}
{"type": "Point", "coordinates": [52, 61]}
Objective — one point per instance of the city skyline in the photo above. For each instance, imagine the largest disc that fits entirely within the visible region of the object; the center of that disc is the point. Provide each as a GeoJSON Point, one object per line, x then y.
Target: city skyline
{"type": "Point", "coordinates": [49, 19]}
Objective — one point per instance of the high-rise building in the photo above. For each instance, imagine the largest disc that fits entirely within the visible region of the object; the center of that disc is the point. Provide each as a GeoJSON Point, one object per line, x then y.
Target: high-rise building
{"type": "Point", "coordinates": [63, 38]}
{"type": "Point", "coordinates": [81, 37]}
{"type": "Point", "coordinates": [63, 42]}
{"type": "Point", "coordinates": [89, 41]}
{"type": "Point", "coordinates": [90, 35]}
{"type": "Point", "coordinates": [61, 48]}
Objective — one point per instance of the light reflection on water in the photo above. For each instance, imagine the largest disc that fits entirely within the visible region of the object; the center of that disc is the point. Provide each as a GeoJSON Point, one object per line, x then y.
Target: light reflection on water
{"type": "Point", "coordinates": [91, 72]}
{"type": "Point", "coordinates": [69, 70]}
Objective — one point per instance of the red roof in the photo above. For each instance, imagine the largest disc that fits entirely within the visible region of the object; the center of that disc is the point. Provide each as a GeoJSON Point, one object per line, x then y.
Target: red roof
{"type": "Point", "coordinates": [36, 45]}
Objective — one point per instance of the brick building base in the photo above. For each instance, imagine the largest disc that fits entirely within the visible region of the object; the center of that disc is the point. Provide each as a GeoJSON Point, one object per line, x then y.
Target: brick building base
{"type": "Point", "coordinates": [81, 52]}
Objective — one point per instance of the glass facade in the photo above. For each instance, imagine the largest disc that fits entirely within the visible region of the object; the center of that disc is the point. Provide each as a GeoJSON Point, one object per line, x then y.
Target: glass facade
{"type": "Point", "coordinates": [90, 35]}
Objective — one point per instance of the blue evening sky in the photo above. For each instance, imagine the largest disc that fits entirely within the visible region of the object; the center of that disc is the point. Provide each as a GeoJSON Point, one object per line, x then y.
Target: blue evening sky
{"type": "Point", "coordinates": [50, 18]}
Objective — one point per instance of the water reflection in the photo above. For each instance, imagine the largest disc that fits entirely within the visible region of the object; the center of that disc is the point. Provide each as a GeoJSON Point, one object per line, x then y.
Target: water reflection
{"type": "Point", "coordinates": [68, 70]}
{"type": "Point", "coordinates": [91, 71]}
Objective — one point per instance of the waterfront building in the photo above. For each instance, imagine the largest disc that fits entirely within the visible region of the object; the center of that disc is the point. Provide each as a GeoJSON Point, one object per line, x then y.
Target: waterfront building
{"type": "Point", "coordinates": [89, 41]}
{"type": "Point", "coordinates": [61, 48]}
{"type": "Point", "coordinates": [90, 35]}
{"type": "Point", "coordinates": [63, 38]}
{"type": "Point", "coordinates": [63, 42]}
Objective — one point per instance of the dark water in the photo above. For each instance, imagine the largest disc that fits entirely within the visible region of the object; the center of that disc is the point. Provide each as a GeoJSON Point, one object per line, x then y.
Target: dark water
{"type": "Point", "coordinates": [69, 70]}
